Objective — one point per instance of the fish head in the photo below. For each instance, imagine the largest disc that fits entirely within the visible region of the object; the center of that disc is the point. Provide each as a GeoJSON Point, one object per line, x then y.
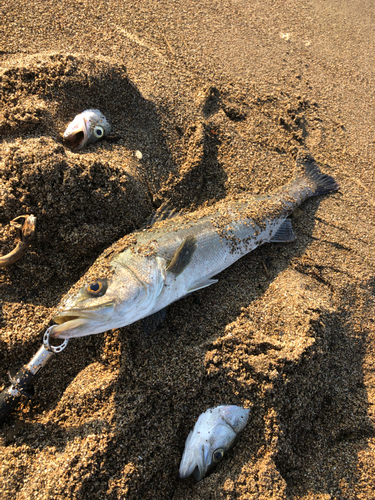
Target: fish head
{"type": "Point", "coordinates": [86, 128]}
{"type": "Point", "coordinates": [213, 435]}
{"type": "Point", "coordinates": [100, 305]}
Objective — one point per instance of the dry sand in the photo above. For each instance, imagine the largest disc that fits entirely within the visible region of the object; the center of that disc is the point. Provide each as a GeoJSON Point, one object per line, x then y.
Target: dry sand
{"type": "Point", "coordinates": [217, 96]}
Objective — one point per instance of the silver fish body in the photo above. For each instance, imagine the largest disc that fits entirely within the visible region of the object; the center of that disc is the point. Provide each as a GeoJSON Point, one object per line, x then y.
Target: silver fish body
{"type": "Point", "coordinates": [147, 270]}
{"type": "Point", "coordinates": [214, 433]}
{"type": "Point", "coordinates": [86, 128]}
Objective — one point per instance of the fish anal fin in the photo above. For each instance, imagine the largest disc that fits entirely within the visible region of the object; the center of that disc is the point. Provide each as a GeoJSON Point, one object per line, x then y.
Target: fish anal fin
{"type": "Point", "coordinates": [284, 234]}
{"type": "Point", "coordinates": [182, 255]}
{"type": "Point", "coordinates": [202, 284]}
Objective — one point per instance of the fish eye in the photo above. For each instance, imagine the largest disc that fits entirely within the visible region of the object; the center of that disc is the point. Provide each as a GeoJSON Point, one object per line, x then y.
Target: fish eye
{"type": "Point", "coordinates": [98, 131]}
{"type": "Point", "coordinates": [96, 289]}
{"type": "Point", "coordinates": [217, 455]}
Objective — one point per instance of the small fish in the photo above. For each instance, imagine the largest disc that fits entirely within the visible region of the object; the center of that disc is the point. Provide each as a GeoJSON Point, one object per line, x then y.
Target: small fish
{"type": "Point", "coordinates": [146, 271]}
{"type": "Point", "coordinates": [86, 128]}
{"type": "Point", "coordinates": [213, 435]}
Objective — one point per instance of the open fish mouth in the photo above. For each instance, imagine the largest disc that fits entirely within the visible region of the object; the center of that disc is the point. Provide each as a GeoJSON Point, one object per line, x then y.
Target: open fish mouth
{"type": "Point", "coordinates": [76, 135]}
{"type": "Point", "coordinates": [80, 322]}
{"type": "Point", "coordinates": [75, 140]}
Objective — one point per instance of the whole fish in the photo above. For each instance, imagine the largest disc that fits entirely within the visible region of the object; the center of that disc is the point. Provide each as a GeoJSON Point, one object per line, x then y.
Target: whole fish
{"type": "Point", "coordinates": [145, 271]}
{"type": "Point", "coordinates": [86, 128]}
{"type": "Point", "coordinates": [214, 433]}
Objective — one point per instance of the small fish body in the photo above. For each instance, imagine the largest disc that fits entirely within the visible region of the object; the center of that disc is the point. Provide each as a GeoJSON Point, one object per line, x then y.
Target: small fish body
{"type": "Point", "coordinates": [86, 128]}
{"type": "Point", "coordinates": [146, 271]}
{"type": "Point", "coordinates": [214, 433]}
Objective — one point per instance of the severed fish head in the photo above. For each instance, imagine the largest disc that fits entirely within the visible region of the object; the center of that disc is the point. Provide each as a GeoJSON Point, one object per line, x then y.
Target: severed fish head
{"type": "Point", "coordinates": [86, 128]}
{"type": "Point", "coordinates": [214, 433]}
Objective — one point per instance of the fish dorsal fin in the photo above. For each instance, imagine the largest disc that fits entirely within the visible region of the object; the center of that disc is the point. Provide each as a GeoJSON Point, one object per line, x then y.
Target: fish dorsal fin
{"type": "Point", "coordinates": [164, 212]}
{"type": "Point", "coordinates": [284, 234]}
{"type": "Point", "coordinates": [182, 255]}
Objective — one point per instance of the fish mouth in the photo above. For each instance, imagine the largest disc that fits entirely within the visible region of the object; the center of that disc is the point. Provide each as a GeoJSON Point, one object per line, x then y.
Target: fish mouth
{"type": "Point", "coordinates": [81, 322]}
{"type": "Point", "coordinates": [194, 462]}
{"type": "Point", "coordinates": [197, 471]}
{"type": "Point", "coordinates": [76, 138]}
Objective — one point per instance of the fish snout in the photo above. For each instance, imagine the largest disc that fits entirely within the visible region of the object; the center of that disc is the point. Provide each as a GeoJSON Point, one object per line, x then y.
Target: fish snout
{"type": "Point", "coordinates": [194, 461]}
{"type": "Point", "coordinates": [76, 322]}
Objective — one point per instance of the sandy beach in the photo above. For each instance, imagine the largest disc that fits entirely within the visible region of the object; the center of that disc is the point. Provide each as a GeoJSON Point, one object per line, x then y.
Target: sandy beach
{"type": "Point", "coordinates": [218, 97]}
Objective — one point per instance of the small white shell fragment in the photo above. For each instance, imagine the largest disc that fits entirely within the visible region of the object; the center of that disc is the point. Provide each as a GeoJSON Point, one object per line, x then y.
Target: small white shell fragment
{"type": "Point", "coordinates": [138, 155]}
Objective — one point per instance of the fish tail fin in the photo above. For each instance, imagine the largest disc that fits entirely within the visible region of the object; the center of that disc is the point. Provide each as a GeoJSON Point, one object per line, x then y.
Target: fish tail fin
{"type": "Point", "coordinates": [309, 171]}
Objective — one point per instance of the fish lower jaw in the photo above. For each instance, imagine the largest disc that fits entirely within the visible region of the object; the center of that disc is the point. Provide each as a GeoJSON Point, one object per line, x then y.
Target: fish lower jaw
{"type": "Point", "coordinates": [79, 323]}
{"type": "Point", "coordinates": [64, 329]}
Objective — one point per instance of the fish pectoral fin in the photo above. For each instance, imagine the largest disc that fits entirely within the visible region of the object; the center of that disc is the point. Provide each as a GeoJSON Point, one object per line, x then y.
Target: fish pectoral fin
{"type": "Point", "coordinates": [150, 323]}
{"type": "Point", "coordinates": [202, 284]}
{"type": "Point", "coordinates": [284, 234]}
{"type": "Point", "coordinates": [183, 255]}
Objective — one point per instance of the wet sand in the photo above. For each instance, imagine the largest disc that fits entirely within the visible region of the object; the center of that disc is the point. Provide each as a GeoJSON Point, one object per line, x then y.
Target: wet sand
{"type": "Point", "coordinates": [218, 97]}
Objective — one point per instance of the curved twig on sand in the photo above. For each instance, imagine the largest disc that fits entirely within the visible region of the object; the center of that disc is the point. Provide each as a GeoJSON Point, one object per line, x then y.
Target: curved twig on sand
{"type": "Point", "coordinates": [25, 225]}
